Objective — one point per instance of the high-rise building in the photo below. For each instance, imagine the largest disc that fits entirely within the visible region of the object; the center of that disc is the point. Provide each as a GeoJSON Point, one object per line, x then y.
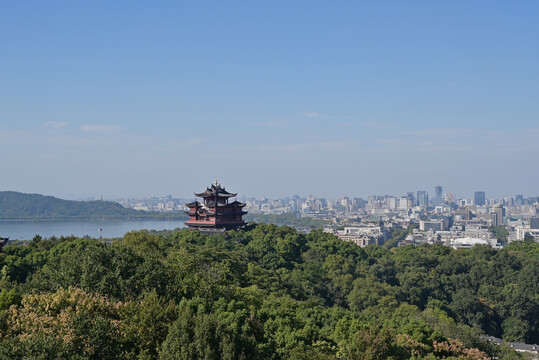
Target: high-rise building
{"type": "Point", "coordinates": [534, 223]}
{"type": "Point", "coordinates": [422, 198]}
{"type": "Point", "coordinates": [437, 200]}
{"type": "Point", "coordinates": [499, 210]}
{"type": "Point", "coordinates": [410, 196]}
{"type": "Point", "coordinates": [519, 200]}
{"type": "Point", "coordinates": [438, 192]}
{"type": "Point", "coordinates": [479, 198]}
{"type": "Point", "coordinates": [403, 203]}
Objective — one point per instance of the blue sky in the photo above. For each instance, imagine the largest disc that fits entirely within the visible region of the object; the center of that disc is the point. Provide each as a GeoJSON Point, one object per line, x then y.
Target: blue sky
{"type": "Point", "coordinates": [124, 98]}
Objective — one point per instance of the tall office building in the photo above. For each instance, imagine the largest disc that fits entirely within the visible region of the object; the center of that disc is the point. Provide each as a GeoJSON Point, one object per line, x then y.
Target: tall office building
{"type": "Point", "coordinates": [392, 201]}
{"type": "Point", "coordinates": [410, 196]}
{"type": "Point", "coordinates": [479, 198]}
{"type": "Point", "coordinates": [437, 195]}
{"type": "Point", "coordinates": [438, 192]}
{"type": "Point", "coordinates": [403, 203]}
{"type": "Point", "coordinates": [422, 198]}
{"type": "Point", "coordinates": [499, 210]}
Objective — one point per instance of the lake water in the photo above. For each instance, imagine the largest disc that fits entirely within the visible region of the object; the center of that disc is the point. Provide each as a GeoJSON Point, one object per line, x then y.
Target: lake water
{"type": "Point", "coordinates": [95, 228]}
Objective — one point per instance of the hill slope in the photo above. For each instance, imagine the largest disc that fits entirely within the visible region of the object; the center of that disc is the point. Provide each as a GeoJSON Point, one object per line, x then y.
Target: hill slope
{"type": "Point", "coordinates": [19, 206]}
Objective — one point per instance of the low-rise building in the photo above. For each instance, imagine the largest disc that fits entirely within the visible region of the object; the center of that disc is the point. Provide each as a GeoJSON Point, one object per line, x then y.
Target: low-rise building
{"type": "Point", "coordinates": [436, 225]}
{"type": "Point", "coordinates": [522, 231]}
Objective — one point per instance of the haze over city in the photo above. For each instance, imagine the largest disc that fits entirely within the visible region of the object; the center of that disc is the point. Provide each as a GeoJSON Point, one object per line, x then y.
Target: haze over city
{"type": "Point", "coordinates": [272, 99]}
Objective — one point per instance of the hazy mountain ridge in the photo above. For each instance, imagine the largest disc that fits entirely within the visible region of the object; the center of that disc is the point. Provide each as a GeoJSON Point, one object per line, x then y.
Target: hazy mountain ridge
{"type": "Point", "coordinates": [21, 206]}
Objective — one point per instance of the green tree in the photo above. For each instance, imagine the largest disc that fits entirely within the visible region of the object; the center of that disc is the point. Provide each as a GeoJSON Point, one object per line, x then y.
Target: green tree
{"type": "Point", "coordinates": [198, 334]}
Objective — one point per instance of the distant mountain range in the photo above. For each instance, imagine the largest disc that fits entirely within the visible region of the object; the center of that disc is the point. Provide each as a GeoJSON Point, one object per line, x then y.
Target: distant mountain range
{"type": "Point", "coordinates": [20, 206]}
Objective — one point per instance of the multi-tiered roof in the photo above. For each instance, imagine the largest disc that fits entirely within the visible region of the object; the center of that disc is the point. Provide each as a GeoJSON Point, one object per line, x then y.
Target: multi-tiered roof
{"type": "Point", "coordinates": [215, 212]}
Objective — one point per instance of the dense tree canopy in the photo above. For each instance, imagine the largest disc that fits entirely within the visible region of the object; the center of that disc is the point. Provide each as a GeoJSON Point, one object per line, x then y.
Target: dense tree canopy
{"type": "Point", "coordinates": [266, 292]}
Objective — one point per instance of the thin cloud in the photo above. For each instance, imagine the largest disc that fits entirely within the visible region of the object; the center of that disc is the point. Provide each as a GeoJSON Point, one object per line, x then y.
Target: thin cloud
{"type": "Point", "coordinates": [444, 148]}
{"type": "Point", "coordinates": [193, 141]}
{"type": "Point", "coordinates": [100, 128]}
{"type": "Point", "coordinates": [329, 145]}
{"type": "Point", "coordinates": [67, 140]}
{"type": "Point", "coordinates": [378, 125]}
{"type": "Point", "coordinates": [288, 147]}
{"type": "Point", "coordinates": [312, 114]}
{"type": "Point", "coordinates": [56, 124]}
{"type": "Point", "coordinates": [388, 141]}
{"type": "Point", "coordinates": [275, 124]}
{"type": "Point", "coordinates": [10, 138]}
{"type": "Point", "coordinates": [187, 142]}
{"type": "Point", "coordinates": [443, 132]}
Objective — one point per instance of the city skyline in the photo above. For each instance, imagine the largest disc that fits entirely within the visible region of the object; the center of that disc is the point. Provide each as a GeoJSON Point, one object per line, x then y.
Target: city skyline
{"type": "Point", "coordinates": [124, 100]}
{"type": "Point", "coordinates": [425, 196]}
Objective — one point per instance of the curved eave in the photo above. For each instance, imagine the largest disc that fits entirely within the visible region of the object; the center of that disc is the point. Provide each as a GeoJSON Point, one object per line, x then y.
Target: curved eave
{"type": "Point", "coordinates": [218, 195]}
{"type": "Point", "coordinates": [203, 194]}
{"type": "Point", "coordinates": [237, 203]}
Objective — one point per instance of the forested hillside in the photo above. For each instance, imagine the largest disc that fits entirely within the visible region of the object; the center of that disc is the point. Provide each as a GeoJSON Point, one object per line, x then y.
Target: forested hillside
{"type": "Point", "coordinates": [19, 206]}
{"type": "Point", "coordinates": [266, 292]}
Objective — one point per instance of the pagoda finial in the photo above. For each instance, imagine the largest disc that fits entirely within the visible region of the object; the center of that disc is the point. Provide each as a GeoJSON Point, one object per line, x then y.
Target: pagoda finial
{"type": "Point", "coordinates": [216, 183]}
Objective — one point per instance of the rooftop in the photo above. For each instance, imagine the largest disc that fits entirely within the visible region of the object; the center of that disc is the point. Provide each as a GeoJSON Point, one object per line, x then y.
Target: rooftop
{"type": "Point", "coordinates": [215, 190]}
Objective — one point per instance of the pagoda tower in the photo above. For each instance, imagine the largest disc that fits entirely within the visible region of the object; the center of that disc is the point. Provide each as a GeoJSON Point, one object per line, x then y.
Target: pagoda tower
{"type": "Point", "coordinates": [215, 213]}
